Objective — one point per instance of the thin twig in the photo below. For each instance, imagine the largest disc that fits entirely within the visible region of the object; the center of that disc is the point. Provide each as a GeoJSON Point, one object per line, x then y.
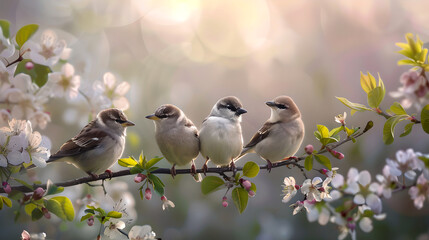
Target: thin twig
{"type": "Point", "coordinates": [221, 170]}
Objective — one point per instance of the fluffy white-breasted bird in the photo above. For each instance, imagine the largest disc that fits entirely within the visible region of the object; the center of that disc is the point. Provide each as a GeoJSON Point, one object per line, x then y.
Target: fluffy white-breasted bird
{"type": "Point", "coordinates": [176, 136]}
{"type": "Point", "coordinates": [98, 145]}
{"type": "Point", "coordinates": [221, 140]}
{"type": "Point", "coordinates": [281, 135]}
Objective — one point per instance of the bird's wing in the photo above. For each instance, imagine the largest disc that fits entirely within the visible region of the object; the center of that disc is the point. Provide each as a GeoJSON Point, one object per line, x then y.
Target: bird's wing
{"type": "Point", "coordinates": [191, 125]}
{"type": "Point", "coordinates": [86, 140]}
{"type": "Point", "coordinates": [260, 135]}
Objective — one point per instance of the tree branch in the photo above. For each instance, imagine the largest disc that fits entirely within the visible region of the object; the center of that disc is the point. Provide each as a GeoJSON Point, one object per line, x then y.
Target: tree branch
{"type": "Point", "coordinates": [221, 171]}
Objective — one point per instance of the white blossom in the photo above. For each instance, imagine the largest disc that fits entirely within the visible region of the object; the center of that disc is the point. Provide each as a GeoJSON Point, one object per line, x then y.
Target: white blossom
{"type": "Point", "coordinates": [65, 83]}
{"type": "Point", "coordinates": [141, 233]}
{"type": "Point", "coordinates": [413, 90]}
{"type": "Point", "coordinates": [6, 47]}
{"type": "Point", "coordinates": [406, 162]}
{"type": "Point", "coordinates": [166, 203]}
{"type": "Point", "coordinates": [289, 189]}
{"type": "Point", "coordinates": [48, 51]}
{"type": "Point", "coordinates": [111, 228]}
{"type": "Point", "coordinates": [310, 188]}
{"type": "Point", "coordinates": [110, 93]}
{"type": "Point", "coordinates": [420, 192]}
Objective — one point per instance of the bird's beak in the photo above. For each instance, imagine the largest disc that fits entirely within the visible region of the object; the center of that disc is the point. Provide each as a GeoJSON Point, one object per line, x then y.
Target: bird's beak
{"type": "Point", "coordinates": [240, 111]}
{"type": "Point", "coordinates": [271, 104]}
{"type": "Point", "coordinates": [152, 117]}
{"type": "Point", "coordinates": [127, 124]}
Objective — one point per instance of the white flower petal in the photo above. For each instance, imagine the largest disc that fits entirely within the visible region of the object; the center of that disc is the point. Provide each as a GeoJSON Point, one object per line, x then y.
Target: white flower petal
{"type": "Point", "coordinates": [324, 216]}
{"type": "Point", "coordinates": [364, 178]}
{"type": "Point", "coordinates": [358, 199]}
{"type": "Point", "coordinates": [109, 80]}
{"type": "Point", "coordinates": [338, 181]}
{"type": "Point", "coordinates": [366, 224]}
{"type": "Point", "coordinates": [374, 202]}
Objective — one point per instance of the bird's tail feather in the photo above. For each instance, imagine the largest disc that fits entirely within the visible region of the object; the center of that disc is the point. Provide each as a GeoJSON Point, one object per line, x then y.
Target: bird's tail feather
{"type": "Point", "coordinates": [51, 159]}
{"type": "Point", "coordinates": [244, 152]}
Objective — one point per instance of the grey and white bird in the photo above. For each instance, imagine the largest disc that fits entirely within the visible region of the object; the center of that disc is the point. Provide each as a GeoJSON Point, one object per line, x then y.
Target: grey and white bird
{"type": "Point", "coordinates": [281, 135]}
{"type": "Point", "coordinates": [221, 140]}
{"type": "Point", "coordinates": [176, 136]}
{"type": "Point", "coordinates": [98, 145]}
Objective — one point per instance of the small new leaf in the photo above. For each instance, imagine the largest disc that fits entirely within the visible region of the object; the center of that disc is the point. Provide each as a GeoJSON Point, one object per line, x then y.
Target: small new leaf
{"type": "Point", "coordinates": [308, 164]}
{"type": "Point", "coordinates": [127, 162]}
{"type": "Point", "coordinates": [397, 109]}
{"type": "Point", "coordinates": [322, 159]}
{"type": "Point", "coordinates": [354, 106]}
{"type": "Point", "coordinates": [114, 214]}
{"type": "Point", "coordinates": [250, 169]}
{"type": "Point", "coordinates": [158, 185]}
{"type": "Point", "coordinates": [39, 73]}
{"type": "Point", "coordinates": [66, 207]}
{"type": "Point", "coordinates": [25, 33]}
{"type": "Point", "coordinates": [211, 184]}
{"type": "Point", "coordinates": [367, 82]}
{"type": "Point", "coordinates": [152, 162]}
{"type": "Point", "coordinates": [5, 25]}
{"type": "Point", "coordinates": [240, 198]}
{"type": "Point", "coordinates": [407, 129]}
{"type": "Point", "coordinates": [389, 128]}
{"type": "Point", "coordinates": [425, 118]}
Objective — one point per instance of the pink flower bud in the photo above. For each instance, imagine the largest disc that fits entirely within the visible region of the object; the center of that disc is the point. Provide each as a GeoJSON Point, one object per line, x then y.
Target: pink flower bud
{"type": "Point", "coordinates": [224, 198]}
{"type": "Point", "coordinates": [351, 226]}
{"type": "Point", "coordinates": [46, 213]}
{"type": "Point", "coordinates": [163, 198]}
{"type": "Point", "coordinates": [309, 149]}
{"type": "Point", "coordinates": [29, 65]}
{"type": "Point", "coordinates": [246, 184]}
{"type": "Point", "coordinates": [251, 193]}
{"type": "Point", "coordinates": [6, 187]}
{"type": "Point", "coordinates": [340, 156]}
{"type": "Point", "coordinates": [139, 178]}
{"type": "Point", "coordinates": [297, 187]}
{"type": "Point", "coordinates": [38, 193]}
{"type": "Point", "coordinates": [148, 194]}
{"type": "Point", "coordinates": [323, 171]}
{"type": "Point", "coordinates": [90, 221]}
{"type": "Point", "coordinates": [225, 204]}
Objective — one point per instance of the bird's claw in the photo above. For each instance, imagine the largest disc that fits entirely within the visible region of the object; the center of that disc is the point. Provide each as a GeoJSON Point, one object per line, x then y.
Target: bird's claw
{"type": "Point", "coordinates": [232, 166]}
{"type": "Point", "coordinates": [193, 170]}
{"type": "Point", "coordinates": [269, 165]}
{"type": "Point", "coordinates": [109, 173]}
{"type": "Point", "coordinates": [173, 171]}
{"type": "Point", "coordinates": [205, 169]}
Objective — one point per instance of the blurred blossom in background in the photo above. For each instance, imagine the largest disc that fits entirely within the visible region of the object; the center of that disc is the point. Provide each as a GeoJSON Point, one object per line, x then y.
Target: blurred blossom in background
{"type": "Point", "coordinates": [191, 53]}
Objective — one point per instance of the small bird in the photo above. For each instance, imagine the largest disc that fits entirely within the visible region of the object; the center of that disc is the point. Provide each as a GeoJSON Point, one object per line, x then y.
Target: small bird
{"type": "Point", "coordinates": [221, 140]}
{"type": "Point", "coordinates": [281, 135]}
{"type": "Point", "coordinates": [98, 145]}
{"type": "Point", "coordinates": [176, 136]}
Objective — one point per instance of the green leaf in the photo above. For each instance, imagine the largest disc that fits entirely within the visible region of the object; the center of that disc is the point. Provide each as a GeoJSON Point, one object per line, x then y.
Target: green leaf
{"type": "Point", "coordinates": [158, 185]}
{"type": "Point", "coordinates": [51, 188]}
{"type": "Point", "coordinates": [397, 109]}
{"type": "Point", "coordinates": [25, 33]}
{"type": "Point", "coordinates": [389, 127]}
{"type": "Point", "coordinates": [240, 198]}
{"type": "Point", "coordinates": [1, 205]}
{"type": "Point", "coordinates": [308, 164]}
{"type": "Point", "coordinates": [211, 184]}
{"type": "Point", "coordinates": [367, 82]}
{"type": "Point", "coordinates": [136, 169]}
{"type": "Point", "coordinates": [84, 217]}
{"type": "Point", "coordinates": [322, 159]}
{"type": "Point", "coordinates": [253, 187]}
{"type": "Point", "coordinates": [375, 97]}
{"type": "Point", "coordinates": [354, 106]}
{"type": "Point", "coordinates": [407, 129]}
{"type": "Point", "coordinates": [127, 162]}
{"type": "Point", "coordinates": [406, 62]}
{"type": "Point", "coordinates": [29, 208]}
{"type": "Point", "coordinates": [324, 131]}
{"type": "Point", "coordinates": [55, 207]}
{"type": "Point", "coordinates": [425, 118]}
{"type": "Point", "coordinates": [368, 126]}
{"type": "Point", "coordinates": [6, 201]}
{"type": "Point", "coordinates": [5, 25]}
{"type": "Point", "coordinates": [89, 211]}
{"type": "Point", "coordinates": [152, 162]}
{"type": "Point", "coordinates": [39, 73]}
{"type": "Point", "coordinates": [36, 214]}
{"type": "Point", "coordinates": [328, 140]}
{"type": "Point", "coordinates": [114, 214]}
{"type": "Point", "coordinates": [66, 207]}
{"type": "Point", "coordinates": [335, 131]}
{"type": "Point", "coordinates": [250, 169]}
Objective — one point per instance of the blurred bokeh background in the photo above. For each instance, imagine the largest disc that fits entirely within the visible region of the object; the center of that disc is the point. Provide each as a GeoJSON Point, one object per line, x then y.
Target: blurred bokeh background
{"type": "Point", "coordinates": [191, 53]}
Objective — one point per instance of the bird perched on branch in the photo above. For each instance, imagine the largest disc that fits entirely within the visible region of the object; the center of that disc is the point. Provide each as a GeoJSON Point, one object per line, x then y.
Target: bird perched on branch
{"type": "Point", "coordinates": [221, 140]}
{"type": "Point", "coordinates": [281, 135]}
{"type": "Point", "coordinates": [176, 136]}
{"type": "Point", "coordinates": [98, 145]}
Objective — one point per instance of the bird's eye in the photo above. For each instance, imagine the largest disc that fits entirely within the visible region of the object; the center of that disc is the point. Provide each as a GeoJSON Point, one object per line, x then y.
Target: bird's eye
{"type": "Point", "coordinates": [120, 121]}
{"type": "Point", "coordinates": [282, 106]}
{"type": "Point", "coordinates": [230, 107]}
